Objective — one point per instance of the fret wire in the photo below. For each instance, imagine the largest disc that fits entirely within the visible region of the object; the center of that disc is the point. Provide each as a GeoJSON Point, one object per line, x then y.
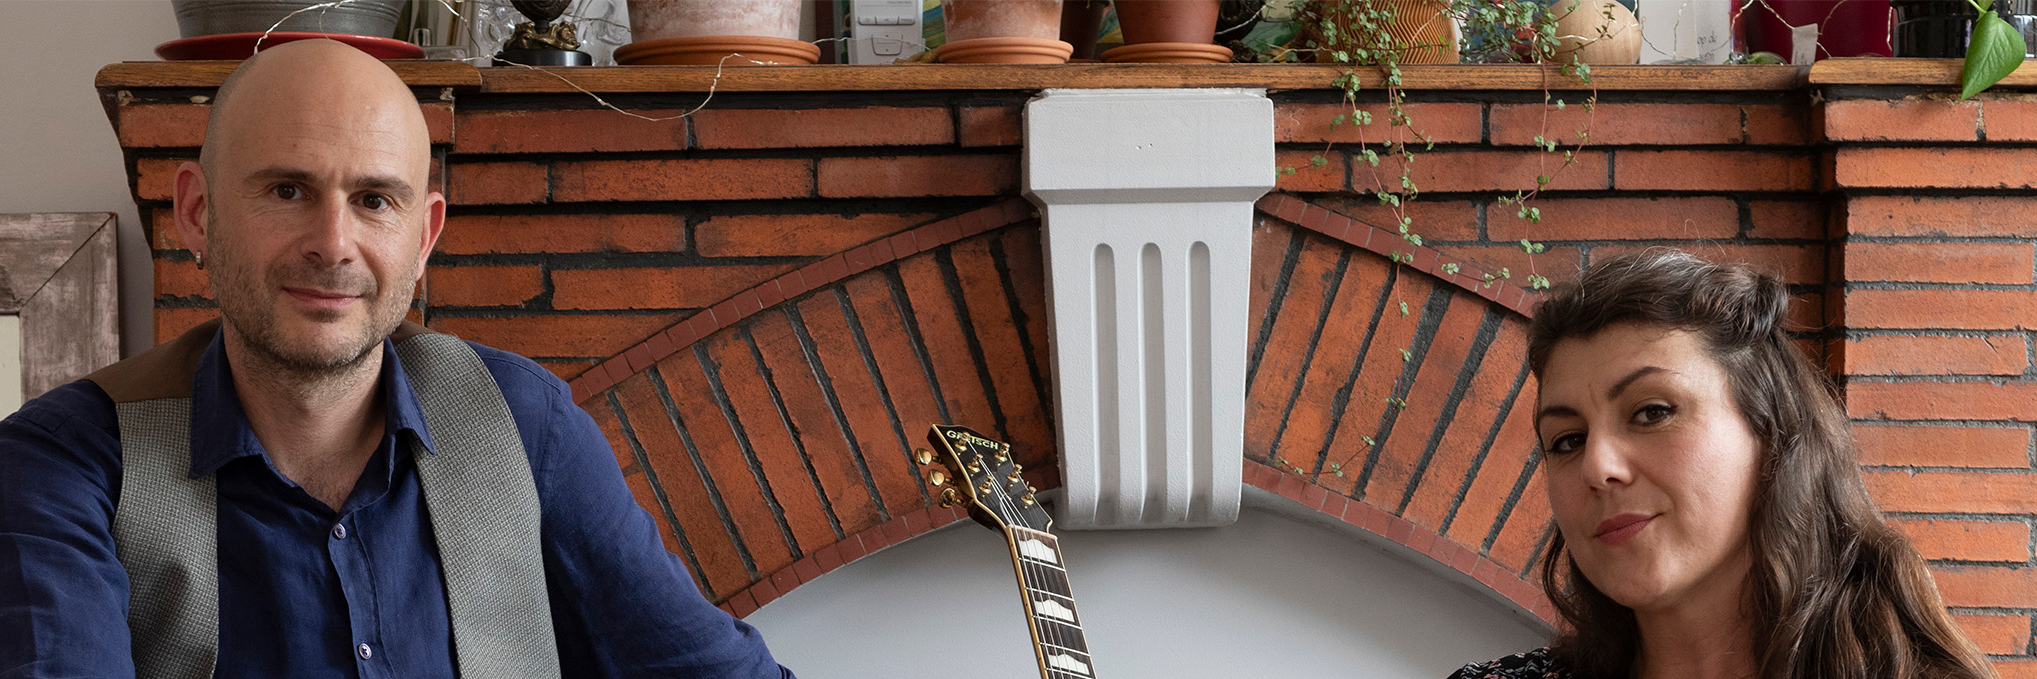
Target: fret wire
{"type": "Point", "coordinates": [1084, 654]}
{"type": "Point", "coordinates": [1056, 595]}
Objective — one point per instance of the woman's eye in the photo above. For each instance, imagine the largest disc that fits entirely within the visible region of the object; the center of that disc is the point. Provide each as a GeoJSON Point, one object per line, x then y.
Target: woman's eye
{"type": "Point", "coordinates": [1653, 413]}
{"type": "Point", "coordinates": [1567, 443]}
{"type": "Point", "coordinates": [287, 191]}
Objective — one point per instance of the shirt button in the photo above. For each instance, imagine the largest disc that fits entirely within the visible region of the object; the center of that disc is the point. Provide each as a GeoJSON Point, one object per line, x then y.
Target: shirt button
{"type": "Point", "coordinates": [339, 532]}
{"type": "Point", "coordinates": [364, 651]}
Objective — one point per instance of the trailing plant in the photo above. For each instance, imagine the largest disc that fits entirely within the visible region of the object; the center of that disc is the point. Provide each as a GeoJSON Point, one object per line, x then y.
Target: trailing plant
{"type": "Point", "coordinates": [1363, 36]}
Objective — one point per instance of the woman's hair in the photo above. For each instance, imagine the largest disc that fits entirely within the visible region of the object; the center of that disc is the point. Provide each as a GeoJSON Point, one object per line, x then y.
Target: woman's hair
{"type": "Point", "coordinates": [1834, 591]}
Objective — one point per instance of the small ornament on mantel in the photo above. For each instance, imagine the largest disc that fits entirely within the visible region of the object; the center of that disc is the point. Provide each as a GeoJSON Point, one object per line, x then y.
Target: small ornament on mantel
{"type": "Point", "coordinates": [544, 40]}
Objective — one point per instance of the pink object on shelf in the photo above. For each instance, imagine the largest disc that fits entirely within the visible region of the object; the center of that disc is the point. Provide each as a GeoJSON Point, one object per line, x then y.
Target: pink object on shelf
{"type": "Point", "coordinates": [1846, 28]}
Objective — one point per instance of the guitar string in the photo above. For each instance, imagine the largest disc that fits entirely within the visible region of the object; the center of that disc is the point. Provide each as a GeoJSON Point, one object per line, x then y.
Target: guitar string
{"type": "Point", "coordinates": [1059, 633]}
{"type": "Point", "coordinates": [1031, 575]}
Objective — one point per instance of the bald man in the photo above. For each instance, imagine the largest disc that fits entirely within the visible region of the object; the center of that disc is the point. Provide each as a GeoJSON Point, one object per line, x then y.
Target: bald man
{"type": "Point", "coordinates": [349, 497]}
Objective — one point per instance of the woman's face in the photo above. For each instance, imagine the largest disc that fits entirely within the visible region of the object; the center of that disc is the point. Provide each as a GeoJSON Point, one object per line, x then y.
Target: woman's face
{"type": "Point", "coordinates": [1650, 467]}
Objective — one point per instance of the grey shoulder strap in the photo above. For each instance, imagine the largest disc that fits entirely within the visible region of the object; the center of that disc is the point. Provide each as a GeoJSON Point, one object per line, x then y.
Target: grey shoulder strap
{"type": "Point", "coordinates": [161, 535]}
{"type": "Point", "coordinates": [484, 510]}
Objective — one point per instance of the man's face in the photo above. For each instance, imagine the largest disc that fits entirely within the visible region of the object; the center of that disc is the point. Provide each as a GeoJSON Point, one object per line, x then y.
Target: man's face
{"type": "Point", "coordinates": [316, 227]}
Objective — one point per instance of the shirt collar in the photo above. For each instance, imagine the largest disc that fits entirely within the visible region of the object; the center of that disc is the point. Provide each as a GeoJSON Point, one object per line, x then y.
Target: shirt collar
{"type": "Point", "coordinates": [219, 426]}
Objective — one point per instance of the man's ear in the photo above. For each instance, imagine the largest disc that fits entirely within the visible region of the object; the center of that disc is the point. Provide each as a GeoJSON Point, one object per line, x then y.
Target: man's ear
{"type": "Point", "coordinates": [190, 207]}
{"type": "Point", "coordinates": [434, 223]}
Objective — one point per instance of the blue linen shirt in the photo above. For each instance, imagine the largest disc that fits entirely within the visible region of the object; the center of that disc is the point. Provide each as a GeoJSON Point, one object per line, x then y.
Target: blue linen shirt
{"type": "Point", "coordinates": [305, 591]}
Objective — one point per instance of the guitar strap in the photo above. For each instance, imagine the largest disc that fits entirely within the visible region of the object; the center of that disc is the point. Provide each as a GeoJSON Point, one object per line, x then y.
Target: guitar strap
{"type": "Point", "coordinates": [477, 486]}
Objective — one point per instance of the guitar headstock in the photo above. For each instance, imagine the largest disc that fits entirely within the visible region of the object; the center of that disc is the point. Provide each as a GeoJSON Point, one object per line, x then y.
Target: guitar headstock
{"type": "Point", "coordinates": [967, 469]}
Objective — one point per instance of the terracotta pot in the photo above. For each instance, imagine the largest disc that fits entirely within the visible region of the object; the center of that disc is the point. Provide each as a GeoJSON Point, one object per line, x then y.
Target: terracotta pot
{"type": "Point", "coordinates": [972, 19]}
{"type": "Point", "coordinates": [660, 19]}
{"type": "Point", "coordinates": [1168, 53]}
{"type": "Point", "coordinates": [717, 50]}
{"type": "Point", "coordinates": [1608, 34]}
{"type": "Point", "coordinates": [1146, 21]}
{"type": "Point", "coordinates": [1004, 51]}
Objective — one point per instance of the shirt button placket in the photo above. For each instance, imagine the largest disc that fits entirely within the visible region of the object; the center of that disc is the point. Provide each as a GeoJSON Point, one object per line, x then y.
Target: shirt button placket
{"type": "Point", "coordinates": [339, 531]}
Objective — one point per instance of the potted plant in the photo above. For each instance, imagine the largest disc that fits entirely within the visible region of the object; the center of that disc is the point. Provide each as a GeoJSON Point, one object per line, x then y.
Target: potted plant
{"type": "Point", "coordinates": [715, 32]}
{"type": "Point", "coordinates": [1003, 32]}
{"type": "Point", "coordinates": [1169, 32]}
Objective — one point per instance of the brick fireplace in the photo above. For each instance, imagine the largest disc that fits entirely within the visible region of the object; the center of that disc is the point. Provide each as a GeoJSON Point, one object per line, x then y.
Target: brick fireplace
{"type": "Point", "coordinates": [764, 303]}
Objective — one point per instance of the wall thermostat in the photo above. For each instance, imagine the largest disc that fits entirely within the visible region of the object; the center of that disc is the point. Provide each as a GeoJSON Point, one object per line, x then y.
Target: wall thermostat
{"type": "Point", "coordinates": [884, 31]}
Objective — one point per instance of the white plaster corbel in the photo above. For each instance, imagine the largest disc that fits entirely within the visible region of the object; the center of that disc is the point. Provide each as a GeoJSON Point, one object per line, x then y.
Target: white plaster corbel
{"type": "Point", "coordinates": [1147, 200]}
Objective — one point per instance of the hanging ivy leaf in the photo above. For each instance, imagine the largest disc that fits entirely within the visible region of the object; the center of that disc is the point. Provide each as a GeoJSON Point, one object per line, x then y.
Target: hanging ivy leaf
{"type": "Point", "coordinates": [1992, 53]}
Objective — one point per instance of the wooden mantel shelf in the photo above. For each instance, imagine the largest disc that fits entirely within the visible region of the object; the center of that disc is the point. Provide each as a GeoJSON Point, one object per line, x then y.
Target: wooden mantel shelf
{"type": "Point", "coordinates": [1486, 77]}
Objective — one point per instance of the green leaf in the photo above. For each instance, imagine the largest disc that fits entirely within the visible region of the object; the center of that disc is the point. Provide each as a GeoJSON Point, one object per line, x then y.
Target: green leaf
{"type": "Point", "coordinates": [1450, 268]}
{"type": "Point", "coordinates": [1992, 53]}
{"type": "Point", "coordinates": [1368, 440]}
{"type": "Point", "coordinates": [1406, 355]}
{"type": "Point", "coordinates": [1318, 161]}
{"type": "Point", "coordinates": [1404, 309]}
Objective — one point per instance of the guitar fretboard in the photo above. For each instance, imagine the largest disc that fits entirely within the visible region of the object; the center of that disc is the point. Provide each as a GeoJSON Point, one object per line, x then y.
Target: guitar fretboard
{"type": "Point", "coordinates": [1050, 606]}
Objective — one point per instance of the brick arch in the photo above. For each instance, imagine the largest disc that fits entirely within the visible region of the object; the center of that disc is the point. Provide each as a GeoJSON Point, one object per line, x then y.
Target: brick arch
{"type": "Point", "coordinates": [770, 435]}
{"type": "Point", "coordinates": [1453, 475]}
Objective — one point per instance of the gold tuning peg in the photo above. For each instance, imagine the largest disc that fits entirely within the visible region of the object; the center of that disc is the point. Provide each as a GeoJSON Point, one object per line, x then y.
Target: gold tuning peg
{"type": "Point", "coordinates": [949, 498]}
{"type": "Point", "coordinates": [1026, 500]}
{"type": "Point", "coordinates": [975, 466]}
{"type": "Point", "coordinates": [1030, 489]}
{"type": "Point", "coordinates": [923, 456]}
{"type": "Point", "coordinates": [937, 478]}
{"type": "Point", "coordinates": [1013, 476]}
{"type": "Point", "coordinates": [984, 490]}
{"type": "Point", "coordinates": [1003, 457]}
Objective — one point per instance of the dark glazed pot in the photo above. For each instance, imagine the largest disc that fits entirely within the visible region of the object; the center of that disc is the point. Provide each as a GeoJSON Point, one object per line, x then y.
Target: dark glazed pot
{"type": "Point", "coordinates": [1938, 28]}
{"type": "Point", "coordinates": [1081, 21]}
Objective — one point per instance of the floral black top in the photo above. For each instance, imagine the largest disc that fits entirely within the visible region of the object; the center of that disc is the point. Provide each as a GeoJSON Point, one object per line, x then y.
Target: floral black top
{"type": "Point", "coordinates": [1535, 664]}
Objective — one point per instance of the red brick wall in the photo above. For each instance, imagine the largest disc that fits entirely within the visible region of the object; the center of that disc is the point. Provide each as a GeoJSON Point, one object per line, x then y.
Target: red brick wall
{"type": "Point", "coordinates": [1936, 275]}
{"type": "Point", "coordinates": [706, 282]}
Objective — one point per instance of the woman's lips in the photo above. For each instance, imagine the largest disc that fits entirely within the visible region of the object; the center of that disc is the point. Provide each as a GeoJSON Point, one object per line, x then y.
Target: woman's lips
{"type": "Point", "coordinates": [1619, 529]}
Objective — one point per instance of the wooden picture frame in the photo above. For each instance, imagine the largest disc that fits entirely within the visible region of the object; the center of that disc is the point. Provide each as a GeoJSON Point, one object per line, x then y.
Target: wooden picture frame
{"type": "Point", "coordinates": [58, 272]}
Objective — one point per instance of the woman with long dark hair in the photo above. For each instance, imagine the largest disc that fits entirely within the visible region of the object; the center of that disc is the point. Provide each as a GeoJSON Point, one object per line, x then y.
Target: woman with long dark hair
{"type": "Point", "coordinates": [1711, 520]}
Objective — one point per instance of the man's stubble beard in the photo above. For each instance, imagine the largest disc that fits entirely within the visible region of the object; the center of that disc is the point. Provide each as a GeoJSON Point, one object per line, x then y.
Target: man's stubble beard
{"type": "Point", "coordinates": [248, 303]}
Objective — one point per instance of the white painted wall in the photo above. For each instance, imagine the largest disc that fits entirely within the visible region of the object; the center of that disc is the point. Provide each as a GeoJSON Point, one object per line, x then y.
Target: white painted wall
{"type": "Point", "coordinates": [1269, 596]}
{"type": "Point", "coordinates": [57, 151]}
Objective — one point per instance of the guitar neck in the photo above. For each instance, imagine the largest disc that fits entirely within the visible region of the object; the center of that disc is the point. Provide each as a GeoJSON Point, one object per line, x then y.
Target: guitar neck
{"type": "Point", "coordinates": [1050, 605]}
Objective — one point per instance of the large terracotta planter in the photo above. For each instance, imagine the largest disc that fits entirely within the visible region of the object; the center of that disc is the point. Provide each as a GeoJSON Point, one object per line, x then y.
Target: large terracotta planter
{"type": "Point", "coordinates": [1144, 21]}
{"type": "Point", "coordinates": [1423, 28]}
{"type": "Point", "coordinates": [710, 32]}
{"type": "Point", "coordinates": [1012, 31]}
{"type": "Point", "coordinates": [1597, 31]}
{"type": "Point", "coordinates": [1168, 32]}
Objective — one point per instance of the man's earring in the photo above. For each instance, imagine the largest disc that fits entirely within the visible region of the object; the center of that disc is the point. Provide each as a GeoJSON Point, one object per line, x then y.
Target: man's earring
{"type": "Point", "coordinates": [201, 260]}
